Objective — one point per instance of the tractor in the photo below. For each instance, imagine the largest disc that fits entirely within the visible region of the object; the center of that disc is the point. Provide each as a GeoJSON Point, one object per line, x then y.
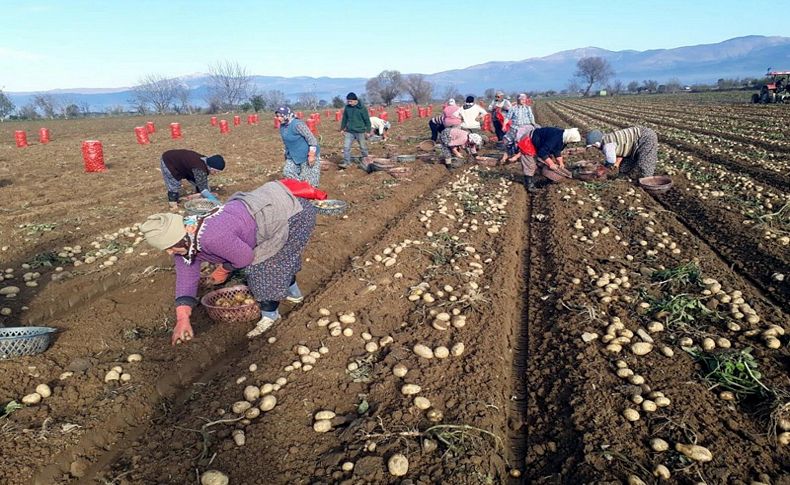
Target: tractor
{"type": "Point", "coordinates": [776, 91]}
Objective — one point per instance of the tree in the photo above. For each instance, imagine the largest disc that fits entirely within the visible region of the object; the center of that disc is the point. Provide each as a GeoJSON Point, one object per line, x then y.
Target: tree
{"type": "Point", "coordinates": [451, 92]}
{"type": "Point", "coordinates": [616, 88]}
{"type": "Point", "coordinates": [386, 86]}
{"type": "Point", "coordinates": [71, 111]}
{"type": "Point", "coordinates": [418, 88]}
{"type": "Point", "coordinates": [85, 108]}
{"type": "Point", "coordinates": [337, 102]}
{"type": "Point", "coordinates": [183, 95]}
{"type": "Point", "coordinates": [633, 87]}
{"type": "Point", "coordinates": [229, 84]}
{"type": "Point", "coordinates": [593, 70]}
{"type": "Point", "coordinates": [257, 102]}
{"type": "Point", "coordinates": [157, 92]}
{"type": "Point", "coordinates": [6, 106]}
{"type": "Point", "coordinates": [273, 99]}
{"type": "Point", "coordinates": [673, 85]}
{"type": "Point", "coordinates": [650, 85]}
{"type": "Point", "coordinates": [308, 100]}
{"type": "Point", "coordinates": [47, 103]}
{"type": "Point", "coordinates": [489, 93]}
{"type": "Point", "coordinates": [573, 87]}
{"type": "Point", "coordinates": [28, 112]}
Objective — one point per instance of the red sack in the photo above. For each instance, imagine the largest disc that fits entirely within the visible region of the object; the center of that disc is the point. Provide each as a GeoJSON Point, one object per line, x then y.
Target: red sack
{"type": "Point", "coordinates": [303, 189]}
{"type": "Point", "coordinates": [500, 116]}
{"type": "Point", "coordinates": [526, 147]}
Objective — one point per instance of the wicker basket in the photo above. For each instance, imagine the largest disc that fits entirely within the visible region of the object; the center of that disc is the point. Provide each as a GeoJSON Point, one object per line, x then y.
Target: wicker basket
{"type": "Point", "coordinates": [19, 341]}
{"type": "Point", "coordinates": [242, 313]}
{"type": "Point", "coordinates": [198, 207]}
{"type": "Point", "coordinates": [400, 172]}
{"type": "Point", "coordinates": [657, 184]}
{"type": "Point", "coordinates": [487, 161]}
{"type": "Point", "coordinates": [426, 146]}
{"type": "Point", "coordinates": [330, 207]}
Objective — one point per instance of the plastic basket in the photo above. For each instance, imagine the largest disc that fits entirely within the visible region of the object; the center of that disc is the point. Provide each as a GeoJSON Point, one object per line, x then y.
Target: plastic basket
{"type": "Point", "coordinates": [406, 158]}
{"type": "Point", "coordinates": [19, 341]}
{"type": "Point", "coordinates": [657, 184]}
{"type": "Point", "coordinates": [242, 313]}
{"type": "Point", "coordinates": [330, 207]}
{"type": "Point", "coordinates": [198, 207]}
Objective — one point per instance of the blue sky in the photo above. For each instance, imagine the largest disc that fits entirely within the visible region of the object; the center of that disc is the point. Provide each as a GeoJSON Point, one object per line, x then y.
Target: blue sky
{"type": "Point", "coordinates": [113, 43]}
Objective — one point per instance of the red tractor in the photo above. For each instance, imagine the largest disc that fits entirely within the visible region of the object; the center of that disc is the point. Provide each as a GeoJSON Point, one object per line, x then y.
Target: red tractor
{"type": "Point", "coordinates": [776, 91]}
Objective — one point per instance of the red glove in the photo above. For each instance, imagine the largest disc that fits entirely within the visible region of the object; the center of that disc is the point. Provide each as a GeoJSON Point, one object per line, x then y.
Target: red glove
{"type": "Point", "coordinates": [183, 329]}
{"type": "Point", "coordinates": [220, 275]}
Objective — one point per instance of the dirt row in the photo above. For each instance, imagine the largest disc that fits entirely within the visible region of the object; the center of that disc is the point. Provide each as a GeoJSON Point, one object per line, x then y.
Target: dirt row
{"type": "Point", "coordinates": [723, 229]}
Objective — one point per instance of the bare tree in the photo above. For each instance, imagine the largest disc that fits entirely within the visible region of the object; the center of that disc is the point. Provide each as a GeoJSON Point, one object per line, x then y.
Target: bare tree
{"type": "Point", "coordinates": [28, 112]}
{"type": "Point", "coordinates": [418, 88]}
{"type": "Point", "coordinates": [451, 92]}
{"type": "Point", "coordinates": [616, 88]}
{"type": "Point", "coordinates": [386, 86]}
{"type": "Point", "coordinates": [650, 85]}
{"type": "Point", "coordinates": [593, 70]}
{"type": "Point", "coordinates": [229, 84]}
{"type": "Point", "coordinates": [47, 103]}
{"type": "Point", "coordinates": [85, 108]}
{"type": "Point", "coordinates": [157, 92]}
{"type": "Point", "coordinates": [573, 87]}
{"type": "Point", "coordinates": [182, 95]}
{"type": "Point", "coordinates": [6, 106]}
{"type": "Point", "coordinates": [273, 99]}
{"type": "Point", "coordinates": [308, 100]}
{"type": "Point", "coordinates": [633, 87]}
{"type": "Point", "coordinates": [673, 85]}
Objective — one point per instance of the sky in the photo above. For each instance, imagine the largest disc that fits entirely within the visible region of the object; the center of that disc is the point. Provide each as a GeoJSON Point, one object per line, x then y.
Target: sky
{"type": "Point", "coordinates": [48, 44]}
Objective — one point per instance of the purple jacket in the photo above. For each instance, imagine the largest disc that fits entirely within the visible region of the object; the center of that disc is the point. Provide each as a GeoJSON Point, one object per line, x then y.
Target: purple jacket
{"type": "Point", "coordinates": [226, 237]}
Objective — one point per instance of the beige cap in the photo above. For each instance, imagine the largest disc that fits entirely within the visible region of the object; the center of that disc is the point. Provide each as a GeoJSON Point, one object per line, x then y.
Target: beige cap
{"type": "Point", "coordinates": [162, 231]}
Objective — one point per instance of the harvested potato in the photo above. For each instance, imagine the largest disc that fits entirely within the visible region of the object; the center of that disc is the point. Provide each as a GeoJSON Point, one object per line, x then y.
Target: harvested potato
{"type": "Point", "coordinates": [240, 406]}
{"type": "Point", "coordinates": [33, 398]}
{"type": "Point", "coordinates": [43, 390]}
{"type": "Point", "coordinates": [214, 477]}
{"type": "Point", "coordinates": [238, 437]}
{"type": "Point", "coordinates": [112, 375]}
{"type": "Point", "coordinates": [662, 472]}
{"type": "Point", "coordinates": [422, 403]}
{"type": "Point", "coordinates": [398, 465]}
{"type": "Point", "coordinates": [322, 426]}
{"type": "Point", "coordinates": [268, 402]}
{"type": "Point", "coordinates": [695, 452]}
{"type": "Point", "coordinates": [659, 445]}
{"type": "Point", "coordinates": [457, 349]}
{"type": "Point", "coordinates": [324, 415]}
{"type": "Point", "coordinates": [423, 351]}
{"type": "Point", "coordinates": [441, 352]}
{"type": "Point", "coordinates": [641, 348]}
{"type": "Point", "coordinates": [410, 389]}
{"type": "Point", "coordinates": [134, 358]}
{"type": "Point", "coordinates": [400, 370]}
{"type": "Point", "coordinates": [631, 414]}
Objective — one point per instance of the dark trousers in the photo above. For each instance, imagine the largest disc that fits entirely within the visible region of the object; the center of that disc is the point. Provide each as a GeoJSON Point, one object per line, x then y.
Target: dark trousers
{"type": "Point", "coordinates": [436, 128]}
{"type": "Point", "coordinates": [498, 128]}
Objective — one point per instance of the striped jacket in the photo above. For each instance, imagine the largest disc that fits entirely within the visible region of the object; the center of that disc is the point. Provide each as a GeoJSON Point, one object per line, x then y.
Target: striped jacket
{"type": "Point", "coordinates": [625, 140]}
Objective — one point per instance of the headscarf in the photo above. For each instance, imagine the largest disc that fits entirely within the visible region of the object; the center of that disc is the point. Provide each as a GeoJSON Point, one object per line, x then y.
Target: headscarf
{"type": "Point", "coordinates": [571, 135]}
{"type": "Point", "coordinates": [476, 139]}
{"type": "Point", "coordinates": [286, 113]}
{"type": "Point", "coordinates": [193, 237]}
{"type": "Point", "coordinates": [594, 137]}
{"type": "Point", "coordinates": [451, 102]}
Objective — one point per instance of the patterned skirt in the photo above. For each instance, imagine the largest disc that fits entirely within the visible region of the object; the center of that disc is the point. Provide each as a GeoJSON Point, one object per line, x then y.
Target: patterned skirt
{"type": "Point", "coordinates": [270, 279]}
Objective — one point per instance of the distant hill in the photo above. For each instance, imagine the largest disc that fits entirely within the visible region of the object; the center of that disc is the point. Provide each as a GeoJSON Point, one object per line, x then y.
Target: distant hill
{"type": "Point", "coordinates": [740, 57]}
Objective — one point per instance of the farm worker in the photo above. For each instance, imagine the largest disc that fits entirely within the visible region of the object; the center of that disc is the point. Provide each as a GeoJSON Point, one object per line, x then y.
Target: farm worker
{"type": "Point", "coordinates": [637, 146]}
{"type": "Point", "coordinates": [379, 127]}
{"type": "Point", "coordinates": [264, 231]}
{"type": "Point", "coordinates": [471, 114]}
{"type": "Point", "coordinates": [355, 125]}
{"type": "Point", "coordinates": [544, 146]}
{"type": "Point", "coordinates": [451, 114]}
{"type": "Point", "coordinates": [436, 125]}
{"type": "Point", "coordinates": [518, 116]}
{"type": "Point", "coordinates": [178, 165]}
{"type": "Point", "coordinates": [301, 148]}
{"type": "Point", "coordinates": [499, 107]}
{"type": "Point", "coordinates": [452, 140]}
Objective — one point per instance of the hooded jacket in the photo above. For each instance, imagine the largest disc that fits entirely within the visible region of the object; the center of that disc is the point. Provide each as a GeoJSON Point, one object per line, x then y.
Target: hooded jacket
{"type": "Point", "coordinates": [355, 119]}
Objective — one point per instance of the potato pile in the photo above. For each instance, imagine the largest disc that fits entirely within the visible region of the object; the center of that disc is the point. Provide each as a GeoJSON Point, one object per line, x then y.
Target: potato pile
{"type": "Point", "coordinates": [237, 300]}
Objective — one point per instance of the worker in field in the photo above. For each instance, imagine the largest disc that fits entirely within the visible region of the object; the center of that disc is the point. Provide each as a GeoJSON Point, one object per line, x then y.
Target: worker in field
{"type": "Point", "coordinates": [454, 139]}
{"type": "Point", "coordinates": [451, 114]}
{"type": "Point", "coordinates": [264, 231]}
{"type": "Point", "coordinates": [379, 127]}
{"type": "Point", "coordinates": [302, 152]}
{"type": "Point", "coordinates": [628, 148]}
{"type": "Point", "coordinates": [178, 165]}
{"type": "Point", "coordinates": [472, 114]}
{"type": "Point", "coordinates": [544, 147]}
{"type": "Point", "coordinates": [355, 125]}
{"type": "Point", "coordinates": [518, 116]}
{"type": "Point", "coordinates": [499, 108]}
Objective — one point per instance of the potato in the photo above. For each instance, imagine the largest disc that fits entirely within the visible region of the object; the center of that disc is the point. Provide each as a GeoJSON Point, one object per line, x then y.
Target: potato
{"type": "Point", "coordinates": [213, 477]}
{"type": "Point", "coordinates": [324, 415]}
{"type": "Point", "coordinates": [631, 414]}
{"type": "Point", "coordinates": [410, 389]}
{"type": "Point", "coordinates": [434, 415]}
{"type": "Point", "coordinates": [126, 377]}
{"type": "Point", "coordinates": [251, 393]}
{"type": "Point", "coordinates": [33, 398]}
{"type": "Point", "coordinates": [398, 465]}
{"type": "Point", "coordinates": [441, 352]}
{"type": "Point", "coordinates": [695, 452]}
{"type": "Point", "coordinates": [422, 403]}
{"type": "Point", "coordinates": [112, 375]}
{"type": "Point", "coordinates": [347, 319]}
{"type": "Point", "coordinates": [659, 445]}
{"type": "Point", "coordinates": [400, 370]}
{"type": "Point", "coordinates": [423, 351]}
{"type": "Point", "coordinates": [240, 406]}
{"type": "Point", "coordinates": [635, 480]}
{"type": "Point", "coordinates": [649, 406]}
{"type": "Point", "coordinates": [641, 348]}
{"type": "Point", "coordinates": [347, 466]}
{"type": "Point", "coordinates": [457, 349]}
{"type": "Point", "coordinates": [371, 347]}
{"type": "Point", "coordinates": [322, 426]}
{"type": "Point", "coordinates": [268, 402]}
{"type": "Point", "coordinates": [324, 312]}
{"type": "Point", "coordinates": [348, 332]}
{"type": "Point", "coordinates": [43, 390]}
{"type": "Point", "coordinates": [238, 437]}
{"type": "Point", "coordinates": [134, 358]}
{"type": "Point", "coordinates": [662, 401]}
{"type": "Point", "coordinates": [252, 413]}
{"type": "Point", "coordinates": [784, 438]}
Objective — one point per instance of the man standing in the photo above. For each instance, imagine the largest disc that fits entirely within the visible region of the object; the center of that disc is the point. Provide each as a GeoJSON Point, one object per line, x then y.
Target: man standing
{"type": "Point", "coordinates": [498, 109]}
{"type": "Point", "coordinates": [355, 125]}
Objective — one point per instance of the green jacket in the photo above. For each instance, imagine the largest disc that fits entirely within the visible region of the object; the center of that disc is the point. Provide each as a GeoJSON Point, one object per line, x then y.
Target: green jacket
{"type": "Point", "coordinates": [355, 119]}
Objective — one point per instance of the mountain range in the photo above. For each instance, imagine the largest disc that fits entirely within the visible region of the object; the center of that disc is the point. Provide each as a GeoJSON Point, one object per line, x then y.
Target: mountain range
{"type": "Point", "coordinates": [739, 57]}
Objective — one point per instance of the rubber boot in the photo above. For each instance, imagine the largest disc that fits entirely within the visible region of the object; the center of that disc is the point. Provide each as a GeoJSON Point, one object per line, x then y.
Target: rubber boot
{"type": "Point", "coordinates": [529, 184]}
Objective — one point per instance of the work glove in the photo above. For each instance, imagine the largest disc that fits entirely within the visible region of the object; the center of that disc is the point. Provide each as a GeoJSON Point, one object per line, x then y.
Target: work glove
{"type": "Point", "coordinates": [208, 195]}
{"type": "Point", "coordinates": [183, 329]}
{"type": "Point", "coordinates": [220, 275]}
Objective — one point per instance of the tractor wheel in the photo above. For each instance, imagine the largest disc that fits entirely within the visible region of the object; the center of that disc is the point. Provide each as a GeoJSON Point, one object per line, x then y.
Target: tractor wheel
{"type": "Point", "coordinates": [755, 98]}
{"type": "Point", "coordinates": [765, 98]}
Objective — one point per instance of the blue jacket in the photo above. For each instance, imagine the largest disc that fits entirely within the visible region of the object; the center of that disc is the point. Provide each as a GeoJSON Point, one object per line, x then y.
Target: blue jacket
{"type": "Point", "coordinates": [296, 146]}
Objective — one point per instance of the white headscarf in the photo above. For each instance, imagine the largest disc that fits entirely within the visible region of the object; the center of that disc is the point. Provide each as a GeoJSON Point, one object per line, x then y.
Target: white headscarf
{"type": "Point", "coordinates": [571, 135]}
{"type": "Point", "coordinates": [476, 139]}
{"type": "Point", "coordinates": [451, 102]}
